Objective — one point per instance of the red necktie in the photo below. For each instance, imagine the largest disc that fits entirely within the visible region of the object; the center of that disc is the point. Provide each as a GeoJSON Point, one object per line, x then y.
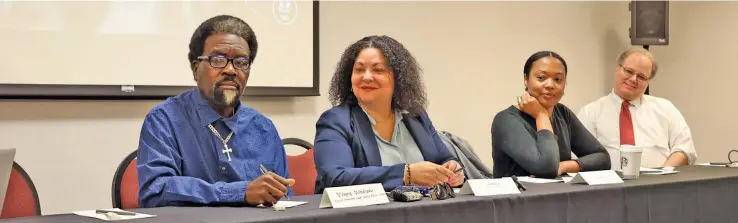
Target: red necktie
{"type": "Point", "coordinates": [626, 125]}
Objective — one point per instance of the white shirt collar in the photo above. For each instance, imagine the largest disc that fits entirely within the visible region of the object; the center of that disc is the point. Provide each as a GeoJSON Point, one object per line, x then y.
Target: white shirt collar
{"type": "Point", "coordinates": [620, 100]}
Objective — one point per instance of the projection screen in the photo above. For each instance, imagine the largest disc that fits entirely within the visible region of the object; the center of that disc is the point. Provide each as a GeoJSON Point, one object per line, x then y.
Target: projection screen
{"type": "Point", "coordinates": [138, 49]}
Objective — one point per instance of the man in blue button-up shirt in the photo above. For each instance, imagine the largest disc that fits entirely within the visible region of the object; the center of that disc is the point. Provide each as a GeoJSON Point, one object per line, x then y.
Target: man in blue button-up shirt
{"type": "Point", "coordinates": [203, 147]}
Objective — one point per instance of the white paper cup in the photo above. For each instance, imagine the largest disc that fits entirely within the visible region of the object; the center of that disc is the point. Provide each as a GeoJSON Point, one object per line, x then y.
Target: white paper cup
{"type": "Point", "coordinates": [630, 161]}
{"type": "Point", "coordinates": [614, 158]}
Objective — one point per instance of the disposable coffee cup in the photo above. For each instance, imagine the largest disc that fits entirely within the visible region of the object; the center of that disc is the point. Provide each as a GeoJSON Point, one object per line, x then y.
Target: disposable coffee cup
{"type": "Point", "coordinates": [614, 158]}
{"type": "Point", "coordinates": [630, 161]}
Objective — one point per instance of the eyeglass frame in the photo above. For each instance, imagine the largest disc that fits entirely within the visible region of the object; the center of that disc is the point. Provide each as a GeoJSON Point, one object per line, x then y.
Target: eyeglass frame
{"type": "Point", "coordinates": [442, 191]}
{"type": "Point", "coordinates": [629, 73]}
{"type": "Point", "coordinates": [228, 60]}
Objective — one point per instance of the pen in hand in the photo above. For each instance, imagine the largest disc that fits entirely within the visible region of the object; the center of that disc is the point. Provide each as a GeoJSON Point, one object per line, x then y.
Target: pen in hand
{"type": "Point", "coordinates": [264, 171]}
{"type": "Point", "coordinates": [458, 170]}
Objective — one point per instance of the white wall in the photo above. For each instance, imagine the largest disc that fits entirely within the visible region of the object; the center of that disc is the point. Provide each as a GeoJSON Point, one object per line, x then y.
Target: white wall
{"type": "Point", "coordinates": [698, 73]}
{"type": "Point", "coordinates": [473, 69]}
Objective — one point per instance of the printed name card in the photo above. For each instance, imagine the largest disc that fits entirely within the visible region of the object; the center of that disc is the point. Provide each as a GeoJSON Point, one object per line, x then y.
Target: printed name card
{"type": "Point", "coordinates": [488, 187]}
{"type": "Point", "coordinates": [353, 196]}
{"type": "Point", "coordinates": [596, 178]}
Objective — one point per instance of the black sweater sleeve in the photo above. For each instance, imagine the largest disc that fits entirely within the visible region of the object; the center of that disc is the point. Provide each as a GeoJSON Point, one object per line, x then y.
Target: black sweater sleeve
{"type": "Point", "coordinates": [538, 155]}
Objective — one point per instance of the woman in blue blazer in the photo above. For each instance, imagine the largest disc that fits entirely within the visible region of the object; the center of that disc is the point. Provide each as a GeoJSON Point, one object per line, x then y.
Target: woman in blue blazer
{"type": "Point", "coordinates": [378, 130]}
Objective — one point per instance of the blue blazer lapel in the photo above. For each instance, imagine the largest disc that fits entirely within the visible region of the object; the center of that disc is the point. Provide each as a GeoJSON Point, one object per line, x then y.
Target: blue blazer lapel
{"type": "Point", "coordinates": [367, 138]}
{"type": "Point", "coordinates": [421, 137]}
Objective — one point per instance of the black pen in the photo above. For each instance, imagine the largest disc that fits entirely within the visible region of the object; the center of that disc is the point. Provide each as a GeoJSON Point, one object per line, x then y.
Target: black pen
{"type": "Point", "coordinates": [116, 212]}
{"type": "Point", "coordinates": [264, 171]}
{"type": "Point", "coordinates": [520, 185]}
{"type": "Point", "coordinates": [459, 170]}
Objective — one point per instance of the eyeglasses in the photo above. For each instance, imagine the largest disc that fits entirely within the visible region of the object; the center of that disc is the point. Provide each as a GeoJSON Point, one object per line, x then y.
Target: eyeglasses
{"type": "Point", "coordinates": [240, 63]}
{"type": "Point", "coordinates": [630, 73]}
{"type": "Point", "coordinates": [442, 191]}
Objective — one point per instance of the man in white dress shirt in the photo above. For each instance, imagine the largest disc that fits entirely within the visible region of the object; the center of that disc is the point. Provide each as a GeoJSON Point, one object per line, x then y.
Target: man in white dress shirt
{"type": "Point", "coordinates": [628, 117]}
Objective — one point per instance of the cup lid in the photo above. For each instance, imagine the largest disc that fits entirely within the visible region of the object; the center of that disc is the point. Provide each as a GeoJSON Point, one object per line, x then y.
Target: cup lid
{"type": "Point", "coordinates": [630, 148]}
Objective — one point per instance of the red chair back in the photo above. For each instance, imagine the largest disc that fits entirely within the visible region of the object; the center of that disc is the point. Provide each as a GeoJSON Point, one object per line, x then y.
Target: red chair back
{"type": "Point", "coordinates": [302, 167]}
{"type": "Point", "coordinates": [125, 184]}
{"type": "Point", "coordinates": [21, 198]}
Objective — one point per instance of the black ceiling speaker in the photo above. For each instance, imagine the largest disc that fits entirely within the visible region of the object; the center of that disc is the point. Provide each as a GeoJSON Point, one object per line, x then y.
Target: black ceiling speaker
{"type": "Point", "coordinates": [649, 22]}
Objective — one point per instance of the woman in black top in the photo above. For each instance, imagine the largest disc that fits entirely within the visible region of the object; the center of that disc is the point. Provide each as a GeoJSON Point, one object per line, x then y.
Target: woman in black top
{"type": "Point", "coordinates": [537, 136]}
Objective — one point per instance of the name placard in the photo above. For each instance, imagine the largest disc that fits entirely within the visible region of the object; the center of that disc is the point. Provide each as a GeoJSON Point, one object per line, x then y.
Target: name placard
{"type": "Point", "coordinates": [488, 187]}
{"type": "Point", "coordinates": [596, 178]}
{"type": "Point", "coordinates": [353, 196]}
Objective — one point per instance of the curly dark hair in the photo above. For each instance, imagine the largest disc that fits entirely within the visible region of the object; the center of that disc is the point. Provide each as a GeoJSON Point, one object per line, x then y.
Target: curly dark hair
{"type": "Point", "coordinates": [221, 24]}
{"type": "Point", "coordinates": [409, 93]}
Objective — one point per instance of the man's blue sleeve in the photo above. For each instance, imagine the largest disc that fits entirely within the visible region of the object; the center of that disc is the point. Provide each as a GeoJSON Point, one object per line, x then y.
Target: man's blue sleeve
{"type": "Point", "coordinates": [280, 153]}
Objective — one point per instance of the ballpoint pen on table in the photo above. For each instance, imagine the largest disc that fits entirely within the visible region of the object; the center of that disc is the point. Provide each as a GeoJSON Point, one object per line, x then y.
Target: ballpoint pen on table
{"type": "Point", "coordinates": [264, 171]}
{"type": "Point", "coordinates": [517, 182]}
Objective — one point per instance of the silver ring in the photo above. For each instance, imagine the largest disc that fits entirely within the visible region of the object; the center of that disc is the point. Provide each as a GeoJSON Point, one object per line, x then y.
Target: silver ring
{"type": "Point", "coordinates": [520, 101]}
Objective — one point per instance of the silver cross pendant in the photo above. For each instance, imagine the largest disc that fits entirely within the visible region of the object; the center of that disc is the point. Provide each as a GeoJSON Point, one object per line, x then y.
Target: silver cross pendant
{"type": "Point", "coordinates": [227, 151]}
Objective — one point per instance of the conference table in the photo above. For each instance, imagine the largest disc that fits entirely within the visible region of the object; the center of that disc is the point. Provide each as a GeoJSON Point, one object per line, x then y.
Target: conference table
{"type": "Point", "coordinates": [695, 194]}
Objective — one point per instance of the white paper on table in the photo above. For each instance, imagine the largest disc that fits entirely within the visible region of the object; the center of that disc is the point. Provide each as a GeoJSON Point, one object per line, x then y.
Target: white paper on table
{"type": "Point", "coordinates": [662, 172]}
{"type": "Point", "coordinates": [538, 180]}
{"type": "Point", "coordinates": [644, 169]}
{"type": "Point", "coordinates": [716, 165]}
{"type": "Point", "coordinates": [112, 217]}
{"type": "Point", "coordinates": [287, 204]}
{"type": "Point", "coordinates": [567, 179]}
